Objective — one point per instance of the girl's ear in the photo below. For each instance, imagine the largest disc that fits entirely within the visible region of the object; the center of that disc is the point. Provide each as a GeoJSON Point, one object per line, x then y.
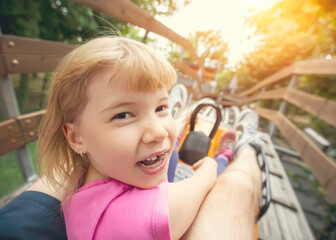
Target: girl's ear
{"type": "Point", "coordinates": [74, 138]}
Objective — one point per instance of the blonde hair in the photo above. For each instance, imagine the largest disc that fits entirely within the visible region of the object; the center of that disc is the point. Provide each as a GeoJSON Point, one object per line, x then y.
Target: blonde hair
{"type": "Point", "coordinates": [143, 69]}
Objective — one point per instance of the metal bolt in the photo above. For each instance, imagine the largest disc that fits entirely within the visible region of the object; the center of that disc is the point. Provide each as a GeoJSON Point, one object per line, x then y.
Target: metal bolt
{"type": "Point", "coordinates": [31, 134]}
{"type": "Point", "coordinates": [15, 62]}
{"type": "Point", "coordinates": [9, 128]}
{"type": "Point", "coordinates": [28, 121]}
{"type": "Point", "coordinates": [11, 44]}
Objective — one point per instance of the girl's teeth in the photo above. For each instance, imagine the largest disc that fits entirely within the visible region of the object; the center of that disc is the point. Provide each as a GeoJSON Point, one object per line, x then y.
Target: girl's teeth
{"type": "Point", "coordinates": [154, 158]}
{"type": "Point", "coordinates": [152, 161]}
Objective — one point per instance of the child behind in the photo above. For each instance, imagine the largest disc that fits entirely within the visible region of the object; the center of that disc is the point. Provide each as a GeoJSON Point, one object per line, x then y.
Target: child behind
{"type": "Point", "coordinates": [108, 134]}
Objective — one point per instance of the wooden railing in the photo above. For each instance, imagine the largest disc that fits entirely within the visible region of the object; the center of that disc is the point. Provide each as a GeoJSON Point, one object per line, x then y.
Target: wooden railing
{"type": "Point", "coordinates": [24, 55]}
{"type": "Point", "coordinates": [318, 162]}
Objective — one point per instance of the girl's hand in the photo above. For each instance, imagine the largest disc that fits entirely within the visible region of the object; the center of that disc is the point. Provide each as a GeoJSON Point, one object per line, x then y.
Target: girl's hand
{"type": "Point", "coordinates": [207, 167]}
{"type": "Point", "coordinates": [206, 161]}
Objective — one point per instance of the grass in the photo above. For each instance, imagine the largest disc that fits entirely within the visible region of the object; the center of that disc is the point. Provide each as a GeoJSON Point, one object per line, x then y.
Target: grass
{"type": "Point", "coordinates": [11, 177]}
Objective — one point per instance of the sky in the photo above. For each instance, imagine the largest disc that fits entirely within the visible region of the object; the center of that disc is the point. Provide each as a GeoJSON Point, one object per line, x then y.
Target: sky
{"type": "Point", "coordinates": [226, 16]}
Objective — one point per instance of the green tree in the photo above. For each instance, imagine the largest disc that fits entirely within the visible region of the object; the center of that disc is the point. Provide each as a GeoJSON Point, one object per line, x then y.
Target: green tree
{"type": "Point", "coordinates": [289, 31]}
{"type": "Point", "coordinates": [159, 7]}
{"type": "Point", "coordinates": [209, 46]}
{"type": "Point", "coordinates": [65, 20]}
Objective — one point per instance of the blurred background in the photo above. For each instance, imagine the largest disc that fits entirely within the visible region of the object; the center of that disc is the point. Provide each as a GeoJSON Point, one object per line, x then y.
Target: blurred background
{"type": "Point", "coordinates": [241, 43]}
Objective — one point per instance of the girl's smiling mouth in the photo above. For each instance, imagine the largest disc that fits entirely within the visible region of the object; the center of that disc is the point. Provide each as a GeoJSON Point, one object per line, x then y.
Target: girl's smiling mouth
{"type": "Point", "coordinates": [153, 165]}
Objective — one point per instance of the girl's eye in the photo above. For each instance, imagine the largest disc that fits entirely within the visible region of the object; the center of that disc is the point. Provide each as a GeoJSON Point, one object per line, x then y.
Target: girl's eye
{"type": "Point", "coordinates": [161, 108]}
{"type": "Point", "coordinates": [122, 116]}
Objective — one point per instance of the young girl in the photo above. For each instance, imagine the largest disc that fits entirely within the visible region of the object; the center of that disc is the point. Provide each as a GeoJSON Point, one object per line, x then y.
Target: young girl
{"type": "Point", "coordinates": [108, 134]}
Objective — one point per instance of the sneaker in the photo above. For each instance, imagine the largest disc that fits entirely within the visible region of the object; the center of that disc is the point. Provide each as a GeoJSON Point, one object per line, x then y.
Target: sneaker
{"type": "Point", "coordinates": [246, 129]}
{"type": "Point", "coordinates": [178, 97]}
{"type": "Point", "coordinates": [227, 145]}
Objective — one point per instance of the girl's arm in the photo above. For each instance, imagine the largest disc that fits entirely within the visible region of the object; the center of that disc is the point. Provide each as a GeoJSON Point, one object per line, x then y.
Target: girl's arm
{"type": "Point", "coordinates": [185, 197]}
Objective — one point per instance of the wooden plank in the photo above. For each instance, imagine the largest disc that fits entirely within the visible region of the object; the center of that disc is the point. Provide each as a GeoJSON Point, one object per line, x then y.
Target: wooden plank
{"type": "Point", "coordinates": [318, 162]}
{"type": "Point", "coordinates": [27, 55]}
{"type": "Point", "coordinates": [316, 66]}
{"type": "Point", "coordinates": [16, 63]}
{"type": "Point", "coordinates": [284, 222]}
{"type": "Point", "coordinates": [16, 132]}
{"type": "Point", "coordinates": [266, 113]}
{"type": "Point", "coordinates": [11, 137]}
{"type": "Point", "coordinates": [297, 139]}
{"type": "Point", "coordinates": [272, 94]}
{"type": "Point", "coordinates": [29, 124]}
{"type": "Point", "coordinates": [318, 106]}
{"type": "Point", "coordinates": [293, 226]}
{"type": "Point", "coordinates": [283, 188]}
{"type": "Point", "coordinates": [276, 77]}
{"type": "Point", "coordinates": [284, 204]}
{"type": "Point", "coordinates": [29, 46]}
{"type": "Point", "coordinates": [268, 226]}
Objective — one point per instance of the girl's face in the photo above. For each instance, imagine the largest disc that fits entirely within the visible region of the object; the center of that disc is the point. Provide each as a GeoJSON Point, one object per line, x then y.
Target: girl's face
{"type": "Point", "coordinates": [127, 135]}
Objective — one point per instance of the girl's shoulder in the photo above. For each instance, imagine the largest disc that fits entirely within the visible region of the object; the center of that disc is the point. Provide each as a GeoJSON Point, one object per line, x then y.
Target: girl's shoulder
{"type": "Point", "coordinates": [103, 202]}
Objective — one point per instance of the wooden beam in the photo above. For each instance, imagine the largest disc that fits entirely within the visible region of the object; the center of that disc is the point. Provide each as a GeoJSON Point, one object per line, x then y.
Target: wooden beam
{"type": "Point", "coordinates": [27, 55]}
{"type": "Point", "coordinates": [316, 67]}
{"type": "Point", "coordinates": [30, 63]}
{"type": "Point", "coordinates": [17, 132]}
{"type": "Point", "coordinates": [10, 137]}
{"type": "Point", "coordinates": [32, 46]}
{"type": "Point", "coordinates": [29, 125]}
{"type": "Point", "coordinates": [318, 162]}
{"type": "Point", "coordinates": [320, 107]}
{"type": "Point", "coordinates": [276, 77]}
{"type": "Point", "coordinates": [272, 94]}
{"type": "Point", "coordinates": [129, 12]}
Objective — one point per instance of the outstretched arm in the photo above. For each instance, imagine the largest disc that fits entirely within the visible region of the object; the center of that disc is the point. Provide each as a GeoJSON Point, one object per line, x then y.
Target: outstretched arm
{"type": "Point", "coordinates": [230, 208]}
{"type": "Point", "coordinates": [186, 197]}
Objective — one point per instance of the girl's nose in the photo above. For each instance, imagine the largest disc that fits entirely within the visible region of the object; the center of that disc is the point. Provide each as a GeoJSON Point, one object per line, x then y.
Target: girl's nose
{"type": "Point", "coordinates": [154, 131]}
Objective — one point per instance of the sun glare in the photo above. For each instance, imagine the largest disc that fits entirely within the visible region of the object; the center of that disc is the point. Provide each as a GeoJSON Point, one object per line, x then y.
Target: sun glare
{"type": "Point", "coordinates": [226, 16]}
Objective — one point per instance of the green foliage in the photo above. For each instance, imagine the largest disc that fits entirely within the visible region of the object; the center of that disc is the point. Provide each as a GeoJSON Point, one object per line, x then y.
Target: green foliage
{"type": "Point", "coordinates": [67, 21]}
{"type": "Point", "coordinates": [210, 47]}
{"type": "Point", "coordinates": [159, 7]}
{"type": "Point", "coordinates": [21, 17]}
{"type": "Point", "coordinates": [323, 86]}
{"type": "Point", "coordinates": [288, 32]}
{"type": "Point", "coordinates": [174, 51]}
{"type": "Point", "coordinates": [53, 20]}
{"type": "Point", "coordinates": [223, 80]}
{"type": "Point", "coordinates": [10, 173]}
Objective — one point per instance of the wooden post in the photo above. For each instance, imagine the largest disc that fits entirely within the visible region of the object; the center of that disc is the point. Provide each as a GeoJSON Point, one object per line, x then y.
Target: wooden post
{"type": "Point", "coordinates": [283, 105]}
{"type": "Point", "coordinates": [10, 109]}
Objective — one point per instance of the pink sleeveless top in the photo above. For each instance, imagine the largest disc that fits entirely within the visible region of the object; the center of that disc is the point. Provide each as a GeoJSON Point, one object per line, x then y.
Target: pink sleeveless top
{"type": "Point", "coordinates": [109, 209]}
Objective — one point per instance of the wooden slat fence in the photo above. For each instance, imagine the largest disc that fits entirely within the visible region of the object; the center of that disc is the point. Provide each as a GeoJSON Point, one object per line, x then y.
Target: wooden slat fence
{"type": "Point", "coordinates": [26, 55]}
{"type": "Point", "coordinates": [319, 163]}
